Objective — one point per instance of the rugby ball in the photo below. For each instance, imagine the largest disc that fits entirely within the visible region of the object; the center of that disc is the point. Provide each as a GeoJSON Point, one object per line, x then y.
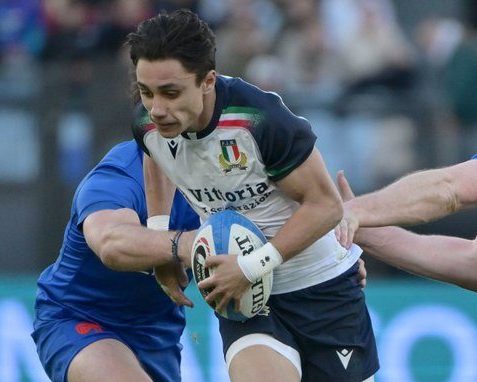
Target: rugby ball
{"type": "Point", "coordinates": [229, 232]}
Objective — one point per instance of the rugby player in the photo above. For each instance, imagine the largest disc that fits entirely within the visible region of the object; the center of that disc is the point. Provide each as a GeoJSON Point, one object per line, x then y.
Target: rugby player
{"type": "Point", "coordinates": [227, 144]}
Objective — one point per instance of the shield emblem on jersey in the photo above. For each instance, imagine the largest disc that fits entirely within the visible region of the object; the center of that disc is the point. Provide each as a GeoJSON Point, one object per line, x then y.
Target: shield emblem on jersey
{"type": "Point", "coordinates": [231, 157]}
{"type": "Point", "coordinates": [230, 150]}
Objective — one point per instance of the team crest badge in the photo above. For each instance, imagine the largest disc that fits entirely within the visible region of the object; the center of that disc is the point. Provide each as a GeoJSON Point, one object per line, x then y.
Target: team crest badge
{"type": "Point", "coordinates": [231, 157]}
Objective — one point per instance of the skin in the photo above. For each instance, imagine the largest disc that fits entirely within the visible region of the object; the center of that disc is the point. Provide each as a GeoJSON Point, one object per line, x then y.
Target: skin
{"type": "Point", "coordinates": [177, 103]}
{"type": "Point", "coordinates": [172, 97]}
{"type": "Point", "coordinates": [262, 357]}
{"type": "Point", "coordinates": [106, 360]}
{"type": "Point", "coordinates": [443, 258]}
{"type": "Point", "coordinates": [122, 244]}
{"type": "Point", "coordinates": [416, 198]}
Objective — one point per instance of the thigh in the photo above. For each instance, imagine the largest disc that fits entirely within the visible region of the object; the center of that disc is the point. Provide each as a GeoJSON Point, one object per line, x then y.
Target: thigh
{"type": "Point", "coordinates": [331, 324]}
{"type": "Point", "coordinates": [106, 360]}
{"type": "Point", "coordinates": [262, 363]}
{"type": "Point", "coordinates": [61, 341]}
{"type": "Point", "coordinates": [260, 349]}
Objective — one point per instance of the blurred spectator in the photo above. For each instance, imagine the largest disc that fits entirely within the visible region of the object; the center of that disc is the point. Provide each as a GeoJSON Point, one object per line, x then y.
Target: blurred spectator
{"type": "Point", "coordinates": [172, 5]}
{"type": "Point", "coordinates": [86, 28]}
{"type": "Point", "coordinates": [21, 39]}
{"type": "Point", "coordinates": [450, 50]}
{"type": "Point", "coordinates": [311, 67]}
{"type": "Point", "coordinates": [21, 27]}
{"type": "Point", "coordinates": [239, 39]}
{"type": "Point", "coordinates": [376, 53]}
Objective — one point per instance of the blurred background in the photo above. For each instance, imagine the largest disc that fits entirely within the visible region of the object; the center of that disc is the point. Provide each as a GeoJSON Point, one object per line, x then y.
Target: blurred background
{"type": "Point", "coordinates": [389, 86]}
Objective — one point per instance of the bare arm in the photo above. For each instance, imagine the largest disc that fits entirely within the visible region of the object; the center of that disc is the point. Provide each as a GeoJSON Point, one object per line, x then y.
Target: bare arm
{"type": "Point", "coordinates": [122, 244]}
{"type": "Point", "coordinates": [320, 206]}
{"type": "Point", "coordinates": [419, 197]}
{"type": "Point", "coordinates": [159, 189]}
{"type": "Point", "coordinates": [444, 258]}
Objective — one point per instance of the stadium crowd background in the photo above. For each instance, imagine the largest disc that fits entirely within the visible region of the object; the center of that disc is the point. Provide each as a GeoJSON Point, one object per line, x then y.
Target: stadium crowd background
{"type": "Point", "coordinates": [389, 86]}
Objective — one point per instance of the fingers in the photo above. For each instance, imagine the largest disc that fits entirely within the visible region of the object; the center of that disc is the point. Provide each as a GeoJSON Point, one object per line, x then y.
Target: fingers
{"type": "Point", "coordinates": [177, 295]}
{"type": "Point", "coordinates": [214, 261]}
{"type": "Point", "coordinates": [182, 277]}
{"type": "Point", "coordinates": [362, 273]}
{"type": "Point", "coordinates": [342, 232]}
{"type": "Point", "coordinates": [343, 186]}
{"type": "Point", "coordinates": [215, 298]}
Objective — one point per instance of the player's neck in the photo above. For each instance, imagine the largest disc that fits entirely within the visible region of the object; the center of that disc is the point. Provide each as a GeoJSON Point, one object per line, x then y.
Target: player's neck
{"type": "Point", "coordinates": [208, 112]}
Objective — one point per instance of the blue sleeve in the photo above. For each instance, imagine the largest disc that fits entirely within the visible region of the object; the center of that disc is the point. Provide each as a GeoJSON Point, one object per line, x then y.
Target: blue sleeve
{"type": "Point", "coordinates": [474, 157]}
{"type": "Point", "coordinates": [183, 217]}
{"type": "Point", "coordinates": [110, 188]}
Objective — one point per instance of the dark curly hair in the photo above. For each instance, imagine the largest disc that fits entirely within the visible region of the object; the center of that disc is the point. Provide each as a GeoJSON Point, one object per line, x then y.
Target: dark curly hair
{"type": "Point", "coordinates": [180, 35]}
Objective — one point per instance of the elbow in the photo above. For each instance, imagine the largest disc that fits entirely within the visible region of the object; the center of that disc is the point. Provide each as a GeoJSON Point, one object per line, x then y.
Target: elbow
{"type": "Point", "coordinates": [452, 201]}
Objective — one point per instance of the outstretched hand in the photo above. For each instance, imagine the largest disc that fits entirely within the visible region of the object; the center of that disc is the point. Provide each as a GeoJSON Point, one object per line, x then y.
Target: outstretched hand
{"type": "Point", "coordinates": [349, 224]}
{"type": "Point", "coordinates": [172, 278]}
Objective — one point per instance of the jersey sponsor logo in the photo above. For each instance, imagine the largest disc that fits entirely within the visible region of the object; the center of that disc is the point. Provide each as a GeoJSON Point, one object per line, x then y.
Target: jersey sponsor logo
{"type": "Point", "coordinates": [344, 356]}
{"type": "Point", "coordinates": [231, 158]}
{"type": "Point", "coordinates": [172, 147]}
{"type": "Point", "coordinates": [86, 327]}
{"type": "Point", "coordinates": [215, 194]}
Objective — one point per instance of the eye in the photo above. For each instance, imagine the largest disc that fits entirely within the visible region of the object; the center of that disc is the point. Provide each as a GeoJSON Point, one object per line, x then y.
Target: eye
{"type": "Point", "coordinates": [171, 94]}
{"type": "Point", "coordinates": [145, 92]}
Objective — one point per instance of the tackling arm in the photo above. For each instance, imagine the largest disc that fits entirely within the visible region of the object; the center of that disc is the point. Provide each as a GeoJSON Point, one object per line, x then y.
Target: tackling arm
{"type": "Point", "coordinates": [122, 244]}
{"type": "Point", "coordinates": [418, 197]}
{"type": "Point", "coordinates": [444, 258]}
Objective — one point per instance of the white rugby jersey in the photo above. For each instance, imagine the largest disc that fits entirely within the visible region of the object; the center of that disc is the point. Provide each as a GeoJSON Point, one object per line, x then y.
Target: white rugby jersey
{"type": "Point", "coordinates": [252, 141]}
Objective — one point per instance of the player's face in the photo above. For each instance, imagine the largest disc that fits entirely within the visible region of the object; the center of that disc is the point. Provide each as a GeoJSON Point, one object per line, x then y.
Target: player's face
{"type": "Point", "coordinates": [172, 96]}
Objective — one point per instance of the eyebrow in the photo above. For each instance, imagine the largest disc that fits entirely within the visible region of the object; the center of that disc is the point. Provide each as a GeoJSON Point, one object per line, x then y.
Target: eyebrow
{"type": "Point", "coordinates": [167, 86]}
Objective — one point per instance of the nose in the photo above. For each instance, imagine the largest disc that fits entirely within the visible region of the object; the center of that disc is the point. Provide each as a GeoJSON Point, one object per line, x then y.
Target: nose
{"type": "Point", "coordinates": [159, 108]}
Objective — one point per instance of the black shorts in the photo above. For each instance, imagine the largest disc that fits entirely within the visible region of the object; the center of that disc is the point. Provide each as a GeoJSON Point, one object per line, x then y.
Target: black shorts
{"type": "Point", "coordinates": [328, 324]}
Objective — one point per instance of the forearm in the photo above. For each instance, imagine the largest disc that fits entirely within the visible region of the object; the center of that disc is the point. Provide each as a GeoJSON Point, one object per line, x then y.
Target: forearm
{"type": "Point", "coordinates": [443, 258]}
{"type": "Point", "coordinates": [416, 198]}
{"type": "Point", "coordinates": [320, 207]}
{"type": "Point", "coordinates": [309, 223]}
{"type": "Point", "coordinates": [128, 247]}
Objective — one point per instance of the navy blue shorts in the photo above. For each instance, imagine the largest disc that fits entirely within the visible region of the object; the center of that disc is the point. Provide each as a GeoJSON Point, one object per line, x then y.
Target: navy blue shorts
{"type": "Point", "coordinates": [58, 341]}
{"type": "Point", "coordinates": [328, 324]}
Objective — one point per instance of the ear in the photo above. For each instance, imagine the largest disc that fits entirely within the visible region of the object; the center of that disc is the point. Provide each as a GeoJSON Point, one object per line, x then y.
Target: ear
{"type": "Point", "coordinates": [208, 84]}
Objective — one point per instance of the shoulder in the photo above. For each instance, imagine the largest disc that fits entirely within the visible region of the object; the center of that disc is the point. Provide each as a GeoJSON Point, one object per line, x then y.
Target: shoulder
{"type": "Point", "coordinates": [122, 165]}
{"type": "Point", "coordinates": [125, 155]}
{"type": "Point", "coordinates": [265, 108]}
{"type": "Point", "coordinates": [245, 94]}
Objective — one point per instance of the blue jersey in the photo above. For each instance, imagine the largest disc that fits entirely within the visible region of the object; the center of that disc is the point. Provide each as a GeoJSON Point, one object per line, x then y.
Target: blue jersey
{"type": "Point", "coordinates": [79, 283]}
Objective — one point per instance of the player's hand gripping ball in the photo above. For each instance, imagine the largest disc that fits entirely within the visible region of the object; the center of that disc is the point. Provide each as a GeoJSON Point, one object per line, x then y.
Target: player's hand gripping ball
{"type": "Point", "coordinates": [229, 232]}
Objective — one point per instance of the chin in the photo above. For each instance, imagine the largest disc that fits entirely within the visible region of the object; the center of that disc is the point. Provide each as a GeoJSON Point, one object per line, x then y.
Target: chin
{"type": "Point", "coordinates": [169, 134]}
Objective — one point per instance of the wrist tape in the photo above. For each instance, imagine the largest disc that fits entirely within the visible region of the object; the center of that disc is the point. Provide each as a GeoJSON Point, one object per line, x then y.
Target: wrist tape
{"type": "Point", "coordinates": [259, 262]}
{"type": "Point", "coordinates": [158, 222]}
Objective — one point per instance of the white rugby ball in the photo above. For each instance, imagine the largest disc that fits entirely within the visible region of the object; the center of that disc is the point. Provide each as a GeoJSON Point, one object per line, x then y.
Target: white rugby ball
{"type": "Point", "coordinates": [229, 232]}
